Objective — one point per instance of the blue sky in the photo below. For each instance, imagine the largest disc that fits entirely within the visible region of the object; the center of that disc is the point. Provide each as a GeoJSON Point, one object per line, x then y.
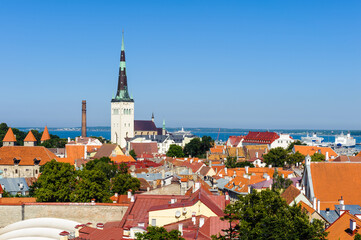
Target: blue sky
{"type": "Point", "coordinates": [231, 64]}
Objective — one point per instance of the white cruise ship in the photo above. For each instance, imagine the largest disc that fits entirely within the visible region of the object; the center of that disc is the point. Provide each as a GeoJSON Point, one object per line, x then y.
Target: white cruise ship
{"type": "Point", "coordinates": [312, 140]}
{"type": "Point", "coordinates": [345, 140]}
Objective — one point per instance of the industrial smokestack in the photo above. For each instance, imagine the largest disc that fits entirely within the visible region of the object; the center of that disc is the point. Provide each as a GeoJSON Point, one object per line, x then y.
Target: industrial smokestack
{"type": "Point", "coordinates": [83, 119]}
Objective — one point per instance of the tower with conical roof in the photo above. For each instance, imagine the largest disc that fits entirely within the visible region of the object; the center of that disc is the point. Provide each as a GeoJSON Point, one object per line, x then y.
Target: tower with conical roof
{"type": "Point", "coordinates": [122, 107]}
{"type": "Point", "coordinates": [46, 135]}
{"type": "Point", "coordinates": [9, 139]}
{"type": "Point", "coordinates": [30, 140]}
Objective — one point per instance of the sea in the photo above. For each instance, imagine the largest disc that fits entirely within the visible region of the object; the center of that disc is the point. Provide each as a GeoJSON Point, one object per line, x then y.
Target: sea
{"type": "Point", "coordinates": [219, 134]}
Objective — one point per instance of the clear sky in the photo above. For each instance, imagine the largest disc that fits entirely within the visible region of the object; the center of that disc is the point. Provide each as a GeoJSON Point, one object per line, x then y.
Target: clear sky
{"type": "Point", "coordinates": [231, 64]}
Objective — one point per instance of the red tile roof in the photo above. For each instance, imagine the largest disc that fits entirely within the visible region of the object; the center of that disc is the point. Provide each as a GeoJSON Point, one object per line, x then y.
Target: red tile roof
{"type": "Point", "coordinates": [25, 154]}
{"type": "Point", "coordinates": [30, 137]}
{"type": "Point", "coordinates": [331, 180]}
{"type": "Point", "coordinates": [9, 137]}
{"type": "Point", "coordinates": [144, 148]}
{"type": "Point", "coordinates": [310, 150]}
{"type": "Point", "coordinates": [290, 194]}
{"type": "Point", "coordinates": [46, 135]}
{"type": "Point", "coordinates": [261, 137]}
{"type": "Point", "coordinates": [122, 158]}
{"type": "Point", "coordinates": [234, 140]}
{"type": "Point", "coordinates": [144, 125]}
{"type": "Point", "coordinates": [340, 229]}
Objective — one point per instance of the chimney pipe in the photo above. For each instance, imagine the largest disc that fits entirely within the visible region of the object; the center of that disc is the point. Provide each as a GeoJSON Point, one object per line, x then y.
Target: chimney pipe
{"type": "Point", "coordinates": [352, 225]}
{"type": "Point", "coordinates": [83, 119]}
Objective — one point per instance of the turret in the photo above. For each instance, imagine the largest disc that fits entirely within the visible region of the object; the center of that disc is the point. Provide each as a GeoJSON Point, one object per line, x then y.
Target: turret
{"type": "Point", "coordinates": [30, 140]}
{"type": "Point", "coordinates": [9, 139]}
{"type": "Point", "coordinates": [46, 135]}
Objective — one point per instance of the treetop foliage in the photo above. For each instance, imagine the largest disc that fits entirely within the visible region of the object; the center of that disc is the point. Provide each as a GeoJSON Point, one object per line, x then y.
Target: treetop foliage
{"type": "Point", "coordinates": [159, 233]}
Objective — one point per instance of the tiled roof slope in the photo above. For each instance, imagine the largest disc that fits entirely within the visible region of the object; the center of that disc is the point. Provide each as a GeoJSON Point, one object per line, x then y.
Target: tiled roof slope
{"type": "Point", "coordinates": [331, 180]}
{"type": "Point", "coordinates": [30, 137]}
{"type": "Point", "coordinates": [310, 150]}
{"type": "Point", "coordinates": [348, 159]}
{"type": "Point", "coordinates": [26, 155]}
{"type": "Point", "coordinates": [46, 135]}
{"type": "Point", "coordinates": [105, 150]}
{"type": "Point", "coordinates": [9, 137]}
{"type": "Point", "coordinates": [144, 125]}
{"type": "Point", "coordinates": [340, 229]}
{"type": "Point", "coordinates": [234, 140]}
{"type": "Point", "coordinates": [290, 194]}
{"type": "Point", "coordinates": [142, 148]}
{"type": "Point", "coordinates": [261, 137]}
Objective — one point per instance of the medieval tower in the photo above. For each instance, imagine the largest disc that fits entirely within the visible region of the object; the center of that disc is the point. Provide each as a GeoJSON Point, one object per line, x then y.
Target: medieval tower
{"type": "Point", "coordinates": [122, 107]}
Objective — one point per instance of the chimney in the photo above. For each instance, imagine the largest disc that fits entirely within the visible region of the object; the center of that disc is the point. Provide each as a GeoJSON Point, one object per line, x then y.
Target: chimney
{"type": "Point", "coordinates": [201, 222]}
{"type": "Point", "coordinates": [341, 201]}
{"type": "Point", "coordinates": [83, 119]}
{"type": "Point", "coordinates": [327, 157]}
{"type": "Point", "coordinates": [225, 170]}
{"type": "Point", "coordinates": [132, 199]}
{"type": "Point", "coordinates": [256, 154]}
{"type": "Point", "coordinates": [318, 205]}
{"type": "Point", "coordinates": [100, 225]}
{"type": "Point", "coordinates": [315, 203]}
{"type": "Point", "coordinates": [194, 218]}
{"type": "Point", "coordinates": [180, 228]}
{"type": "Point", "coordinates": [64, 235]}
{"type": "Point", "coordinates": [352, 225]}
{"type": "Point", "coordinates": [270, 166]}
{"type": "Point", "coordinates": [246, 169]}
{"type": "Point", "coordinates": [129, 193]}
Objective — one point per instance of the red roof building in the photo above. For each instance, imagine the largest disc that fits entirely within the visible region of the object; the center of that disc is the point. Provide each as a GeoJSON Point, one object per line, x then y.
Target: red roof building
{"type": "Point", "coordinates": [46, 135]}
{"type": "Point", "coordinates": [9, 139]}
{"type": "Point", "coordinates": [260, 137]}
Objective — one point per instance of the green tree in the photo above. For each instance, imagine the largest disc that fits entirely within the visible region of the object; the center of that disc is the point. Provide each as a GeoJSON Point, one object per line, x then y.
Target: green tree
{"type": "Point", "coordinates": [318, 157]}
{"type": "Point", "coordinates": [193, 148]}
{"type": "Point", "coordinates": [265, 215]}
{"type": "Point", "coordinates": [297, 142]}
{"type": "Point", "coordinates": [159, 233]}
{"type": "Point", "coordinates": [53, 142]}
{"type": "Point", "coordinates": [175, 151]}
{"type": "Point", "coordinates": [133, 154]}
{"type": "Point", "coordinates": [92, 184]}
{"type": "Point", "coordinates": [207, 142]}
{"type": "Point", "coordinates": [232, 163]}
{"type": "Point", "coordinates": [105, 165]}
{"type": "Point", "coordinates": [279, 182]}
{"type": "Point", "coordinates": [276, 157]}
{"type": "Point", "coordinates": [123, 182]}
{"type": "Point", "coordinates": [294, 158]}
{"type": "Point", "coordinates": [357, 237]}
{"type": "Point", "coordinates": [55, 183]}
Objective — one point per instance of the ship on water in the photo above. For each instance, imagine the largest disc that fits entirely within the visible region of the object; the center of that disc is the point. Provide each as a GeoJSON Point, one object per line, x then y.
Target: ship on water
{"type": "Point", "coordinates": [345, 140]}
{"type": "Point", "coordinates": [313, 140]}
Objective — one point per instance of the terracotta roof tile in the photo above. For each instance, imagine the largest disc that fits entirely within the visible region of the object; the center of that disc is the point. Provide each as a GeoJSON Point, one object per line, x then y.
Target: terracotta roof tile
{"type": "Point", "coordinates": [307, 208]}
{"type": "Point", "coordinates": [46, 135]}
{"type": "Point", "coordinates": [122, 158]}
{"type": "Point", "coordinates": [261, 137]}
{"type": "Point", "coordinates": [144, 148]}
{"type": "Point", "coordinates": [9, 137]}
{"type": "Point", "coordinates": [105, 150]}
{"type": "Point", "coordinates": [310, 150]}
{"type": "Point", "coordinates": [26, 155]}
{"type": "Point", "coordinates": [331, 180]}
{"type": "Point", "coordinates": [290, 194]}
{"type": "Point", "coordinates": [30, 137]}
{"type": "Point", "coordinates": [340, 229]}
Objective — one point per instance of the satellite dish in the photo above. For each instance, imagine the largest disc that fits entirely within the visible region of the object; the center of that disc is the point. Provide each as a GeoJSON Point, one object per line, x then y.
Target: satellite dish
{"type": "Point", "coordinates": [177, 214]}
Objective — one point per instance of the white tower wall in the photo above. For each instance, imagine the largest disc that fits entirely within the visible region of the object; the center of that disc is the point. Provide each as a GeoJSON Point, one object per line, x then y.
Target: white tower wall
{"type": "Point", "coordinates": [122, 122]}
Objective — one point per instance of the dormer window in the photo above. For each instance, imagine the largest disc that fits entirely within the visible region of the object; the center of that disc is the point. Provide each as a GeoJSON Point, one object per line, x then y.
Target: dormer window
{"type": "Point", "coordinates": [16, 161]}
{"type": "Point", "coordinates": [37, 161]}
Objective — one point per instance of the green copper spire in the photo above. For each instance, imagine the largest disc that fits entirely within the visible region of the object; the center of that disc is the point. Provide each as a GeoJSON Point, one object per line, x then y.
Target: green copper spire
{"type": "Point", "coordinates": [122, 48]}
{"type": "Point", "coordinates": [163, 124]}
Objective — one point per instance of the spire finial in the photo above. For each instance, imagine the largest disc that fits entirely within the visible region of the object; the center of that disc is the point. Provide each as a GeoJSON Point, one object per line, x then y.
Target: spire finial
{"type": "Point", "coordinates": [122, 48]}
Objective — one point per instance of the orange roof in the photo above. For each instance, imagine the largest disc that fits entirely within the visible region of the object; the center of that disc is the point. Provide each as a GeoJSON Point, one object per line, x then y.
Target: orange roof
{"type": "Point", "coordinates": [359, 154]}
{"type": "Point", "coordinates": [9, 137]}
{"type": "Point", "coordinates": [16, 200]}
{"type": "Point", "coordinates": [30, 137]}
{"type": "Point", "coordinates": [340, 229]}
{"type": "Point", "coordinates": [290, 194]}
{"type": "Point", "coordinates": [310, 150]}
{"type": "Point", "coordinates": [66, 160]}
{"type": "Point", "coordinates": [74, 151]}
{"type": "Point", "coordinates": [331, 180]}
{"type": "Point", "coordinates": [46, 135]}
{"type": "Point", "coordinates": [216, 150]}
{"type": "Point", "coordinates": [122, 158]}
{"type": "Point", "coordinates": [304, 206]}
{"type": "Point", "coordinates": [25, 154]}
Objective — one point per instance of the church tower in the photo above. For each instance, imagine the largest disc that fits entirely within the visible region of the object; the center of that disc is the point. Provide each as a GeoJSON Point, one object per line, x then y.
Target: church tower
{"type": "Point", "coordinates": [122, 107]}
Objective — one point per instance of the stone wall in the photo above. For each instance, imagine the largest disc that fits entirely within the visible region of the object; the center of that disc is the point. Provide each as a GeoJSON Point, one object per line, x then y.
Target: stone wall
{"type": "Point", "coordinates": [80, 212]}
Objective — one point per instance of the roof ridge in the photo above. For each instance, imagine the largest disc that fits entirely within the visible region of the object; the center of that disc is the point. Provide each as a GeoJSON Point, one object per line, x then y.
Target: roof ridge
{"type": "Point", "coordinates": [9, 136]}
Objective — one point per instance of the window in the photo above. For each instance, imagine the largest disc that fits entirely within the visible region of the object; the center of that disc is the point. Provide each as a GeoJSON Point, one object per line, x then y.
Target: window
{"type": "Point", "coordinates": [27, 170]}
{"type": "Point", "coordinates": [154, 222]}
{"type": "Point", "coordinates": [16, 171]}
{"type": "Point", "coordinates": [36, 171]}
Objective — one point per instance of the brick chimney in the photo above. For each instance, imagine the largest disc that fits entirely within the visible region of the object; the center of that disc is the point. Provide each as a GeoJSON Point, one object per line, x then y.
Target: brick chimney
{"type": "Point", "coordinates": [83, 118]}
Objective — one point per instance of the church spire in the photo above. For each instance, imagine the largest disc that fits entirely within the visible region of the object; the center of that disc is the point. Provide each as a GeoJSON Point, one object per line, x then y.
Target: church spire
{"type": "Point", "coordinates": [122, 91]}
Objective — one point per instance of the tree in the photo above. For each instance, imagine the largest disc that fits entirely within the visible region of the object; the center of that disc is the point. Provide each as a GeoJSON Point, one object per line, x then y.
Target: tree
{"type": "Point", "coordinates": [276, 157]}
{"type": "Point", "coordinates": [133, 154]}
{"type": "Point", "coordinates": [92, 184]}
{"type": "Point", "coordinates": [297, 142]}
{"type": "Point", "coordinates": [198, 147]}
{"type": "Point", "coordinates": [357, 237]}
{"type": "Point", "coordinates": [123, 182]}
{"type": "Point", "coordinates": [265, 215]}
{"type": "Point", "coordinates": [279, 182]}
{"type": "Point", "coordinates": [232, 163]}
{"type": "Point", "coordinates": [159, 233]}
{"type": "Point", "coordinates": [175, 151]}
{"type": "Point", "coordinates": [53, 142]}
{"type": "Point", "coordinates": [55, 183]}
{"type": "Point", "coordinates": [105, 165]}
{"type": "Point", "coordinates": [294, 158]}
{"type": "Point", "coordinates": [318, 157]}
